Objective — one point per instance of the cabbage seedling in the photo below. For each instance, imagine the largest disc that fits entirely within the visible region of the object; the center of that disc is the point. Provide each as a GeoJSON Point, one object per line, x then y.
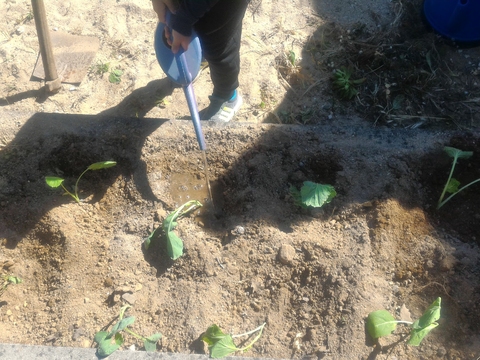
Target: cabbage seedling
{"type": "Point", "coordinates": [382, 323]}
{"type": "Point", "coordinates": [452, 184]}
{"type": "Point", "coordinates": [174, 243]}
{"type": "Point", "coordinates": [221, 344]}
{"type": "Point", "coordinates": [312, 194]}
{"type": "Point", "coordinates": [54, 182]}
{"type": "Point", "coordinates": [108, 342]}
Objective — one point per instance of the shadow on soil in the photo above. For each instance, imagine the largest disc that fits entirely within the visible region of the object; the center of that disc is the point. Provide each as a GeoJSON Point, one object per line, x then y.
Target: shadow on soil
{"type": "Point", "coordinates": [65, 145]}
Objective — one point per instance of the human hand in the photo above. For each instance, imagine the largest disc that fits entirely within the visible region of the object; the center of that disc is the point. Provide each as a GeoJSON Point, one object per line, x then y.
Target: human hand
{"type": "Point", "coordinates": [160, 7]}
{"type": "Point", "coordinates": [178, 40]}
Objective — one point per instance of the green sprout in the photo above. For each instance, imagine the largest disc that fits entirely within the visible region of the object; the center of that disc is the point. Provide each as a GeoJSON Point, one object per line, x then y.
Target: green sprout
{"type": "Point", "coordinates": [452, 184]}
{"type": "Point", "coordinates": [9, 280]}
{"type": "Point", "coordinates": [101, 68]}
{"type": "Point", "coordinates": [115, 76]}
{"type": "Point", "coordinates": [382, 323]}
{"type": "Point", "coordinates": [174, 243]}
{"type": "Point", "coordinates": [54, 182]}
{"type": "Point", "coordinates": [221, 344]}
{"type": "Point", "coordinates": [344, 85]}
{"type": "Point", "coordinates": [292, 58]}
{"type": "Point", "coordinates": [312, 194]}
{"type": "Point", "coordinates": [110, 341]}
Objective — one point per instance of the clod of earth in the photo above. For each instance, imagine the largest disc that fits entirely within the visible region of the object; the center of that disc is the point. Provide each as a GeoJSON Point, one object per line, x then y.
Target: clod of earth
{"type": "Point", "coordinates": [286, 254]}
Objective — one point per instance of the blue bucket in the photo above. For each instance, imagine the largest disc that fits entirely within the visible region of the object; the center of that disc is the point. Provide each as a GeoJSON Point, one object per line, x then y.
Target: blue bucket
{"type": "Point", "coordinates": [458, 20]}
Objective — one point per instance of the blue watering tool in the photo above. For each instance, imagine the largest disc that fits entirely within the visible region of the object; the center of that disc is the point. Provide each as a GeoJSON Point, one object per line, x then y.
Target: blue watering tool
{"type": "Point", "coordinates": [182, 68]}
{"type": "Point", "coordinates": [458, 20]}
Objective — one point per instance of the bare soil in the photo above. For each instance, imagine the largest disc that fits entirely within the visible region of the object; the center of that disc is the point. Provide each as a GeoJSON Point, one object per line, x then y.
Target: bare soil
{"type": "Point", "coordinates": [312, 275]}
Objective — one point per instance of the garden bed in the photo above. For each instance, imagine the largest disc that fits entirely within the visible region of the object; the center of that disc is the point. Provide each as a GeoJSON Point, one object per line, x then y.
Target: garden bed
{"type": "Point", "coordinates": [312, 275]}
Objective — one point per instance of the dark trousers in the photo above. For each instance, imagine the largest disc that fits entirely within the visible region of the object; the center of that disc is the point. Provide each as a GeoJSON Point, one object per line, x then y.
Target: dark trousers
{"type": "Point", "coordinates": [220, 32]}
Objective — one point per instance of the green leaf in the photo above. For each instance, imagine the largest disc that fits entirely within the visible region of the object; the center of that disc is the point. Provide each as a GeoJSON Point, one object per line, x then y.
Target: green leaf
{"type": "Point", "coordinates": [14, 280]}
{"type": "Point", "coordinates": [297, 197]}
{"type": "Point", "coordinates": [169, 223]}
{"type": "Point", "coordinates": [456, 153]}
{"type": "Point", "coordinates": [430, 315]}
{"type": "Point", "coordinates": [358, 81]}
{"type": "Point", "coordinates": [213, 334]}
{"type": "Point", "coordinates": [292, 57]}
{"type": "Point", "coordinates": [53, 181]}
{"type": "Point", "coordinates": [380, 323]}
{"type": "Point", "coordinates": [428, 56]}
{"type": "Point", "coordinates": [118, 339]}
{"type": "Point", "coordinates": [148, 239]}
{"type": "Point", "coordinates": [150, 343]}
{"type": "Point", "coordinates": [174, 245]}
{"type": "Point", "coordinates": [316, 195]}
{"type": "Point", "coordinates": [397, 102]}
{"type": "Point", "coordinates": [417, 335]}
{"type": "Point", "coordinates": [115, 76]}
{"type": "Point", "coordinates": [100, 336]}
{"type": "Point", "coordinates": [155, 337]}
{"type": "Point", "coordinates": [106, 347]}
{"type": "Point", "coordinates": [222, 348]}
{"type": "Point", "coordinates": [452, 186]}
{"type": "Point", "coordinates": [122, 324]}
{"type": "Point", "coordinates": [102, 165]}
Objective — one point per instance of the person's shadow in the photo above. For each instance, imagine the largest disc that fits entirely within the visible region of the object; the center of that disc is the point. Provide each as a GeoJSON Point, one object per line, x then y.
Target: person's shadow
{"type": "Point", "coordinates": [64, 145]}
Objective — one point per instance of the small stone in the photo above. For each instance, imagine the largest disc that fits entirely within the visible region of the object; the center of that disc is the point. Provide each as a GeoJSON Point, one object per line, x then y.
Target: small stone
{"type": "Point", "coordinates": [130, 298]}
{"type": "Point", "coordinates": [108, 282]}
{"type": "Point", "coordinates": [20, 30]}
{"type": "Point", "coordinates": [405, 313]}
{"type": "Point", "coordinates": [9, 312]}
{"type": "Point", "coordinates": [286, 254]}
{"type": "Point", "coordinates": [8, 264]}
{"type": "Point", "coordinates": [86, 300]}
{"type": "Point", "coordinates": [85, 343]}
{"type": "Point", "coordinates": [367, 204]}
{"type": "Point", "coordinates": [160, 214]}
{"type": "Point", "coordinates": [256, 307]}
{"type": "Point", "coordinates": [239, 230]}
{"type": "Point", "coordinates": [138, 287]}
{"type": "Point", "coordinates": [441, 352]}
{"type": "Point", "coordinates": [311, 334]}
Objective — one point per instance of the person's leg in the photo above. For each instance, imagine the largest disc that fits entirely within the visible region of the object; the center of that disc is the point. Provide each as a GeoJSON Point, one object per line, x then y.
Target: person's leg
{"type": "Point", "coordinates": [220, 32]}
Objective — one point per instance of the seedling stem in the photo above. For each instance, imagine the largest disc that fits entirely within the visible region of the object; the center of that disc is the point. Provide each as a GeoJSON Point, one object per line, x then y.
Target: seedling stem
{"type": "Point", "coordinates": [250, 332]}
{"type": "Point", "coordinates": [55, 182]}
{"type": "Point", "coordinates": [452, 184]}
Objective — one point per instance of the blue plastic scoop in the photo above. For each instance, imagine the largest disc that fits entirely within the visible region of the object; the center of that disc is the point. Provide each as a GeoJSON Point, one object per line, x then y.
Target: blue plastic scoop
{"type": "Point", "coordinates": [182, 68]}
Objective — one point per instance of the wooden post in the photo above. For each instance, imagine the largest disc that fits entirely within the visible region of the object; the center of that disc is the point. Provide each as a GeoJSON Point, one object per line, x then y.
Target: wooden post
{"type": "Point", "coordinates": [52, 81]}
